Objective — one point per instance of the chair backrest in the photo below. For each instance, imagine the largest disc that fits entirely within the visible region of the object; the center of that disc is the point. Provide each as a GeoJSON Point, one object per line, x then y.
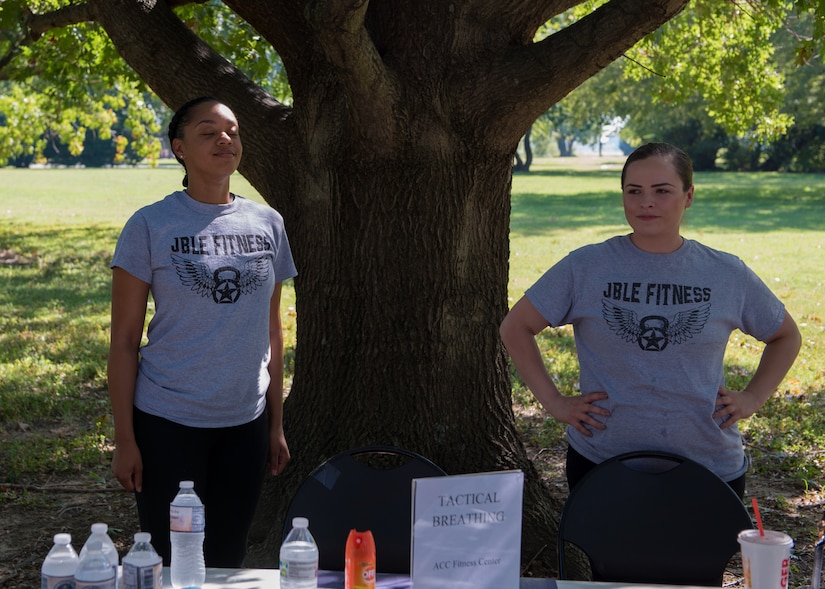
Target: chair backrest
{"type": "Point", "coordinates": [653, 517]}
{"type": "Point", "coordinates": [366, 488]}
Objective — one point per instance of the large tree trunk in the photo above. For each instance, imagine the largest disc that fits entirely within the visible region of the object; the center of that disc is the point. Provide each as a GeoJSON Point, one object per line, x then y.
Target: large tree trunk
{"type": "Point", "coordinates": [398, 324]}
{"type": "Point", "coordinates": [392, 170]}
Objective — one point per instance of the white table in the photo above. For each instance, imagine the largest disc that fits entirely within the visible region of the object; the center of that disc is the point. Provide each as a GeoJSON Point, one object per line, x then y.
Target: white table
{"type": "Point", "coordinates": [270, 579]}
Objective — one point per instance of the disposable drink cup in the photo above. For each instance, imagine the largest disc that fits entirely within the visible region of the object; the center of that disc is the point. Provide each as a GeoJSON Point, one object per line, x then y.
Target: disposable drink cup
{"type": "Point", "coordinates": [766, 560]}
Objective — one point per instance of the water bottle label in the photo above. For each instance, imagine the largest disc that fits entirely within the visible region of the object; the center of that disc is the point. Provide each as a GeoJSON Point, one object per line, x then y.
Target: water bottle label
{"type": "Point", "coordinates": [109, 584]}
{"type": "Point", "coordinates": [52, 582]}
{"type": "Point", "coordinates": [296, 570]}
{"type": "Point", "coordinates": [148, 577]}
{"type": "Point", "coordinates": [361, 575]}
{"type": "Point", "coordinates": [185, 518]}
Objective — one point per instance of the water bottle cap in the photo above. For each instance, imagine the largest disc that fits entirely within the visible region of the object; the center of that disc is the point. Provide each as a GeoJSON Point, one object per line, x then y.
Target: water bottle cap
{"type": "Point", "coordinates": [63, 538]}
{"type": "Point", "coordinates": [100, 528]}
{"type": "Point", "coordinates": [143, 537]}
{"type": "Point", "coordinates": [187, 484]}
{"type": "Point", "coordinates": [300, 522]}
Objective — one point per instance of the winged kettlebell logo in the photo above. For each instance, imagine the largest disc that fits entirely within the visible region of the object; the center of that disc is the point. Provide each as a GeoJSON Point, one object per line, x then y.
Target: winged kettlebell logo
{"type": "Point", "coordinates": [225, 284]}
{"type": "Point", "coordinates": [654, 332]}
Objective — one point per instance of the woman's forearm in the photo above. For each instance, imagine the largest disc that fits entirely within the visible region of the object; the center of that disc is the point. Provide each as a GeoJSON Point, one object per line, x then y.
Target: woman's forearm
{"type": "Point", "coordinates": [777, 358]}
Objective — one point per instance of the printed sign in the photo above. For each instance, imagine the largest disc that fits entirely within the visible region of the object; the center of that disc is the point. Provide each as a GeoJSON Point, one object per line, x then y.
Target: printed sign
{"type": "Point", "coordinates": [467, 530]}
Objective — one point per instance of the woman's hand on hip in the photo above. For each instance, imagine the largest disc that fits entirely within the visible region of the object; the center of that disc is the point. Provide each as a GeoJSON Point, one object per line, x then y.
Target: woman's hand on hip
{"type": "Point", "coordinates": [579, 411]}
{"type": "Point", "coordinates": [731, 406]}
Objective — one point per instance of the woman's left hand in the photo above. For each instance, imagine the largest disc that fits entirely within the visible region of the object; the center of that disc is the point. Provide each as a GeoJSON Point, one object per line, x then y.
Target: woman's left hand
{"type": "Point", "coordinates": [278, 452]}
{"type": "Point", "coordinates": [777, 357]}
{"type": "Point", "coordinates": [731, 406]}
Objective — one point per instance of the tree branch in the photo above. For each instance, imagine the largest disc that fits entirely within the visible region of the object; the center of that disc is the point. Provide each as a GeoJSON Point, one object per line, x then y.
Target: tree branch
{"type": "Point", "coordinates": [520, 19]}
{"type": "Point", "coordinates": [5, 60]}
{"type": "Point", "coordinates": [539, 75]}
{"type": "Point", "coordinates": [38, 24]}
{"type": "Point", "coordinates": [77, 13]}
{"type": "Point", "coordinates": [371, 91]}
{"type": "Point", "coordinates": [32, 27]}
{"type": "Point", "coordinates": [179, 66]}
{"type": "Point", "coordinates": [62, 17]}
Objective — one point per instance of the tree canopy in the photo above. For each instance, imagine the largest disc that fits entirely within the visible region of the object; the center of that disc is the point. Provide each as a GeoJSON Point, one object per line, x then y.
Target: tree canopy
{"type": "Point", "coordinates": [714, 55]}
{"type": "Point", "coordinates": [725, 71]}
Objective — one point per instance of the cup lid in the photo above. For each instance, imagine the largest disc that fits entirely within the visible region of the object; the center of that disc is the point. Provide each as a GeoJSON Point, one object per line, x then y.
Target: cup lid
{"type": "Point", "coordinates": [770, 537]}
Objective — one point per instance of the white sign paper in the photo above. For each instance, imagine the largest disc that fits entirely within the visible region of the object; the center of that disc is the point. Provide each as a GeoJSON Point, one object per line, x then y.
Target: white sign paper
{"type": "Point", "coordinates": [467, 531]}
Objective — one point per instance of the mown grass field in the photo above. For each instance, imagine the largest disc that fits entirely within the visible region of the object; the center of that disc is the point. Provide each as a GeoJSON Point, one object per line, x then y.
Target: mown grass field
{"type": "Point", "coordinates": [58, 229]}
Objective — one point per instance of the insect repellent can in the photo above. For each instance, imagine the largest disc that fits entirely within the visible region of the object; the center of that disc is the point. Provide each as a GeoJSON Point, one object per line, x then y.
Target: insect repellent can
{"type": "Point", "coordinates": [359, 567]}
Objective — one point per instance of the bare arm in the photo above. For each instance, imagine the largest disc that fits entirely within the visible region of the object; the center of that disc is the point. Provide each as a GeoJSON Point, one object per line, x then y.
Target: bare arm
{"type": "Point", "coordinates": [129, 298]}
{"type": "Point", "coordinates": [278, 449]}
{"type": "Point", "coordinates": [777, 358]}
{"type": "Point", "coordinates": [518, 332]}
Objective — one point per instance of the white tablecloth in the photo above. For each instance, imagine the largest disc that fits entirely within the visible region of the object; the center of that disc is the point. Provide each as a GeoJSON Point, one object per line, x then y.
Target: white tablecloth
{"type": "Point", "coordinates": [270, 579]}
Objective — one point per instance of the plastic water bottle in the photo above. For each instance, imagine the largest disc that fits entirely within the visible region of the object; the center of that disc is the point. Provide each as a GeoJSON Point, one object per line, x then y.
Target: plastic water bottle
{"type": "Point", "coordinates": [60, 564]}
{"type": "Point", "coordinates": [95, 570]}
{"type": "Point", "coordinates": [187, 523]}
{"type": "Point", "coordinates": [299, 557]}
{"type": "Point", "coordinates": [100, 532]}
{"type": "Point", "coordinates": [142, 566]}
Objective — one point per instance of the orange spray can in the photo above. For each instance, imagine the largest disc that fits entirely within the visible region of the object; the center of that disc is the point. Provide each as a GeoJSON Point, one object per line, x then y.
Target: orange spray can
{"type": "Point", "coordinates": [359, 567]}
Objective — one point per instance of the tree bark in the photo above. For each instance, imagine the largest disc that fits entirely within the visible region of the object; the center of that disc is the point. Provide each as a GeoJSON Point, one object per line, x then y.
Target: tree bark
{"type": "Point", "coordinates": [393, 170]}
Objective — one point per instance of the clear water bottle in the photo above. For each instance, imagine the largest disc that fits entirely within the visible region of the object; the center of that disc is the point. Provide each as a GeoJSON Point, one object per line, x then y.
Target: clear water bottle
{"type": "Point", "coordinates": [60, 564]}
{"type": "Point", "coordinates": [142, 566]}
{"type": "Point", "coordinates": [299, 557]}
{"type": "Point", "coordinates": [187, 523]}
{"type": "Point", "coordinates": [100, 532]}
{"type": "Point", "coordinates": [94, 571]}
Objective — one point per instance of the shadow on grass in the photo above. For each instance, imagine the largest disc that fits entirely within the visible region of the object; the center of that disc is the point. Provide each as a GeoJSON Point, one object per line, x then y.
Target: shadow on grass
{"type": "Point", "coordinates": [65, 271]}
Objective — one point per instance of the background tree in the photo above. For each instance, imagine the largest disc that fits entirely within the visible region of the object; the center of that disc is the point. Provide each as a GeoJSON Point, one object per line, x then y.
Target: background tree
{"type": "Point", "coordinates": [391, 162]}
{"type": "Point", "coordinates": [744, 96]}
{"type": "Point", "coordinates": [58, 87]}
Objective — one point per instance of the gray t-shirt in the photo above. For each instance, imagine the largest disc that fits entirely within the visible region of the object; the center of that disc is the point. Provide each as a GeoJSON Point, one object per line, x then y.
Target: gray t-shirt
{"type": "Point", "coordinates": [651, 331]}
{"type": "Point", "coordinates": [212, 271]}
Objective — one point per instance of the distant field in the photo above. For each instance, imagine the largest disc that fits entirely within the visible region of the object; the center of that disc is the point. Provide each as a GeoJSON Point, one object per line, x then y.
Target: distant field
{"type": "Point", "coordinates": [94, 195]}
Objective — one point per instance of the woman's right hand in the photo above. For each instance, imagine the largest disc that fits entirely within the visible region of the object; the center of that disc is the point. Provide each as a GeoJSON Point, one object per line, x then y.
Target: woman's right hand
{"type": "Point", "coordinates": [518, 333]}
{"type": "Point", "coordinates": [127, 466]}
{"type": "Point", "coordinates": [578, 411]}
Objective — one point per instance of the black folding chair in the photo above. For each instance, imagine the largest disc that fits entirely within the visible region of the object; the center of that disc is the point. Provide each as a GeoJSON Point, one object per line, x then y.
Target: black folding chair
{"type": "Point", "coordinates": [366, 488]}
{"type": "Point", "coordinates": [653, 517]}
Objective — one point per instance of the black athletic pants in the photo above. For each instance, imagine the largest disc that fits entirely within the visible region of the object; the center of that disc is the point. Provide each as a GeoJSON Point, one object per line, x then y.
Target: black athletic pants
{"type": "Point", "coordinates": [577, 466]}
{"type": "Point", "coordinates": [227, 465]}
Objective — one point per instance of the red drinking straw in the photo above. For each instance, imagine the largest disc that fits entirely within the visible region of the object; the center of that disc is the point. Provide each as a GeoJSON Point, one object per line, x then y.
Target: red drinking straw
{"type": "Point", "coordinates": [758, 516]}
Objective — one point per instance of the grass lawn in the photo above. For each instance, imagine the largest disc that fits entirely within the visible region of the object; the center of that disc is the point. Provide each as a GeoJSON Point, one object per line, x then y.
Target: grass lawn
{"type": "Point", "coordinates": [61, 224]}
{"type": "Point", "coordinates": [58, 228]}
{"type": "Point", "coordinates": [73, 196]}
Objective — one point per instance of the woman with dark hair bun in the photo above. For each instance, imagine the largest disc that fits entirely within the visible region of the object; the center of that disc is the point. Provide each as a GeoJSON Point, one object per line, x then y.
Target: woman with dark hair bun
{"type": "Point", "coordinates": [201, 397]}
{"type": "Point", "coordinates": [651, 314]}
